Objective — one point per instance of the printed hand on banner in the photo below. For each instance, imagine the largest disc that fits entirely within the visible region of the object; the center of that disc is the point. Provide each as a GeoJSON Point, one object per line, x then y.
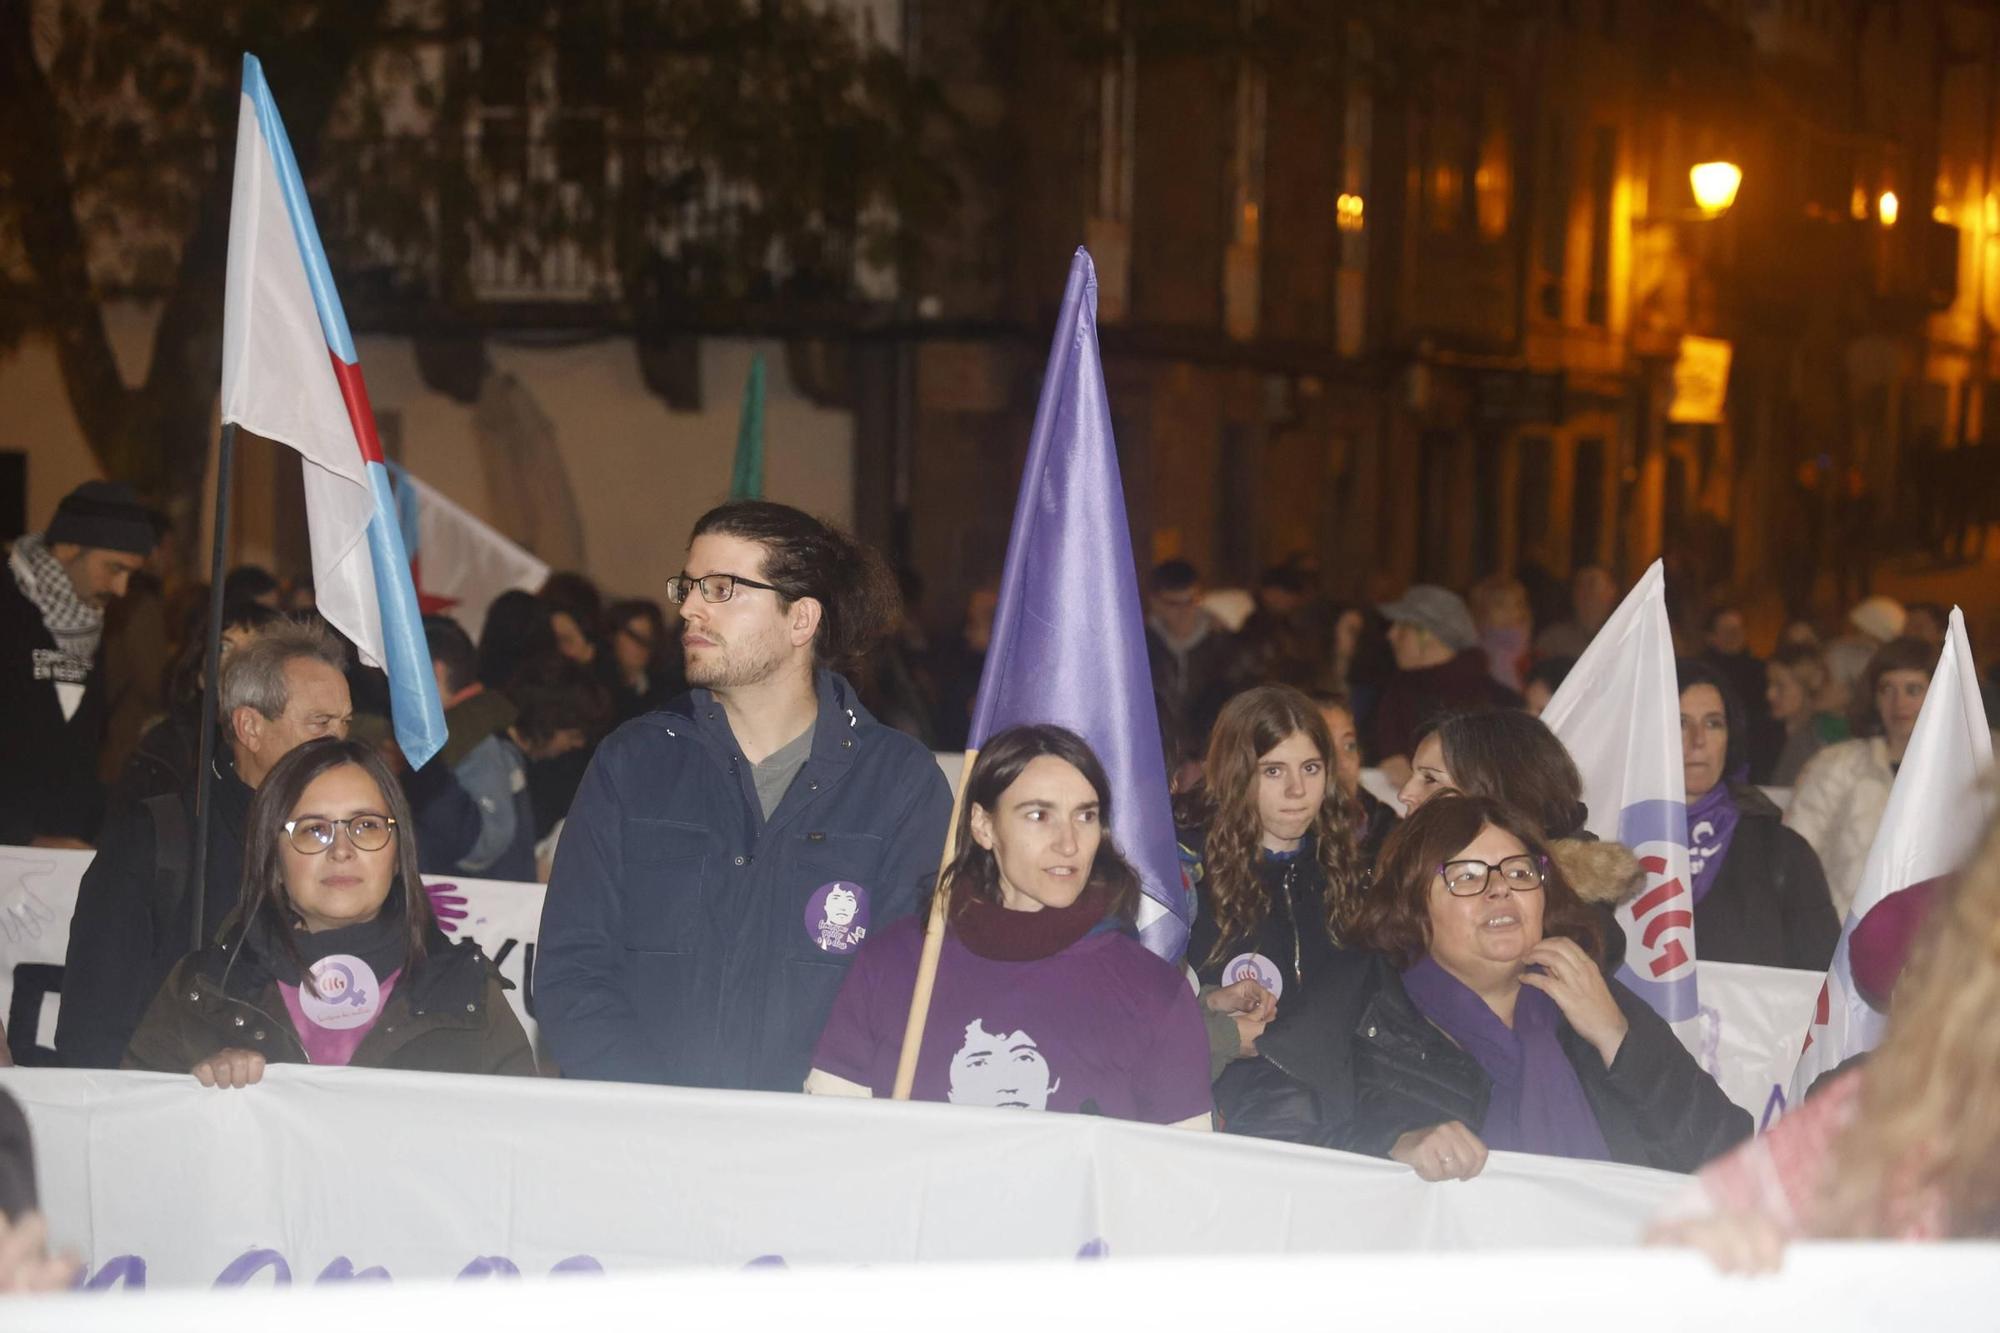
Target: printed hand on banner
{"type": "Point", "coordinates": [26, 1266]}
{"type": "Point", "coordinates": [447, 905]}
{"type": "Point", "coordinates": [1735, 1242]}
{"type": "Point", "coordinates": [23, 914]}
{"type": "Point", "coordinates": [1575, 983]}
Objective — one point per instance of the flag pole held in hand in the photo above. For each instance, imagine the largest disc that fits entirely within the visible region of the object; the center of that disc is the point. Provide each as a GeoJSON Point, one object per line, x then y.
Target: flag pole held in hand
{"type": "Point", "coordinates": [927, 962]}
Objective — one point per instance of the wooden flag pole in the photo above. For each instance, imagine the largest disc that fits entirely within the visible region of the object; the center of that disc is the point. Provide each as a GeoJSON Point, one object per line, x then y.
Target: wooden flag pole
{"type": "Point", "coordinates": [927, 963]}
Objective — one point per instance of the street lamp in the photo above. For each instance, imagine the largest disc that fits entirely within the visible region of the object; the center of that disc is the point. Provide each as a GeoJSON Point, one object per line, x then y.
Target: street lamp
{"type": "Point", "coordinates": [1887, 207]}
{"type": "Point", "coordinates": [1715, 185]}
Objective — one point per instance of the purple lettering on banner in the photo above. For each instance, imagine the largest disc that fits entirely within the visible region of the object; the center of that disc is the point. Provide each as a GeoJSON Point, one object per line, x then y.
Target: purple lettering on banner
{"type": "Point", "coordinates": [252, 1262]}
{"type": "Point", "coordinates": [1094, 1248]}
{"type": "Point", "coordinates": [342, 1270]}
{"type": "Point", "coordinates": [126, 1270]}
{"type": "Point", "coordinates": [1774, 1106]}
{"type": "Point", "coordinates": [489, 1265]}
{"type": "Point", "coordinates": [767, 1261]}
{"type": "Point", "coordinates": [577, 1263]}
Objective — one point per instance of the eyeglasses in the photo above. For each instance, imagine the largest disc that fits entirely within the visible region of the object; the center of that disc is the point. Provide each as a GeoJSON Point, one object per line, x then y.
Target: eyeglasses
{"type": "Point", "coordinates": [1468, 879]}
{"type": "Point", "coordinates": [368, 833]}
{"type": "Point", "coordinates": [714, 587]}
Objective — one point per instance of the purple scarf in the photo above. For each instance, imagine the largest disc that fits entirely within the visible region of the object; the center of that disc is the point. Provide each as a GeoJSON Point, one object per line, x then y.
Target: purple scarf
{"type": "Point", "coordinates": [1711, 826]}
{"type": "Point", "coordinates": [1538, 1104]}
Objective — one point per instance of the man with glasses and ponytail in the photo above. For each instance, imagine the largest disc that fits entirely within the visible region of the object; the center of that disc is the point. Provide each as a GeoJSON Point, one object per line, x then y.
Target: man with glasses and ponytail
{"type": "Point", "coordinates": [686, 936]}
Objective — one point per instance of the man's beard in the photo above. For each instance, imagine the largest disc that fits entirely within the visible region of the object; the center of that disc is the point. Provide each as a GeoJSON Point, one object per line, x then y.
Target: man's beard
{"type": "Point", "coordinates": [724, 668]}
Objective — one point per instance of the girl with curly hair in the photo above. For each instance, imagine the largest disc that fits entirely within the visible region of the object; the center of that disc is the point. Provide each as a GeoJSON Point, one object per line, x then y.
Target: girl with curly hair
{"type": "Point", "coordinates": [1269, 841]}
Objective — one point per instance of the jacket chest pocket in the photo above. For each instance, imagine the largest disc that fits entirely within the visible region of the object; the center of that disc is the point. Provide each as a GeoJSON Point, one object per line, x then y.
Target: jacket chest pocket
{"type": "Point", "coordinates": [832, 883]}
{"type": "Point", "coordinates": [661, 886]}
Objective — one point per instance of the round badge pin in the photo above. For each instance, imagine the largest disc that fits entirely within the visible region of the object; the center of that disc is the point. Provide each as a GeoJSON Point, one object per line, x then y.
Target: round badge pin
{"type": "Point", "coordinates": [1254, 967]}
{"type": "Point", "coordinates": [836, 917]}
{"type": "Point", "coordinates": [348, 995]}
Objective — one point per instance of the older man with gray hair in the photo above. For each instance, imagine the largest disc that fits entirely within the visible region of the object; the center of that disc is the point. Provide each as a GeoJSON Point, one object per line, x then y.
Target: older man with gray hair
{"type": "Point", "coordinates": [134, 915]}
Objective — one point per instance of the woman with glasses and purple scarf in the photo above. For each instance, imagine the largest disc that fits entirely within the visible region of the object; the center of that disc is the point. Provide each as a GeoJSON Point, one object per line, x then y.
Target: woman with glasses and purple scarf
{"type": "Point", "coordinates": [1760, 895]}
{"type": "Point", "coordinates": [1476, 1015]}
{"type": "Point", "coordinates": [330, 958]}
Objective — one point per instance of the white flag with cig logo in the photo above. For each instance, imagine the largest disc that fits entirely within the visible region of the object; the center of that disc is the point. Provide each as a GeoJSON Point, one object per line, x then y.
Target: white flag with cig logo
{"type": "Point", "coordinates": [1618, 714]}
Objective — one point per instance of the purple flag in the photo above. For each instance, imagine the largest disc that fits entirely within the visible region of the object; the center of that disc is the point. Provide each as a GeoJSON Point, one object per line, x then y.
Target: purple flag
{"type": "Point", "coordinates": [1069, 643]}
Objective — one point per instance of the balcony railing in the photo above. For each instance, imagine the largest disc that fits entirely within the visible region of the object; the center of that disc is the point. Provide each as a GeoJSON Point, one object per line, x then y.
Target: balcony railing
{"type": "Point", "coordinates": [573, 216]}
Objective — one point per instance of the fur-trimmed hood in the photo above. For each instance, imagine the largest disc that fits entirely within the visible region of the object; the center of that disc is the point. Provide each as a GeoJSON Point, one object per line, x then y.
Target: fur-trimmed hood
{"type": "Point", "coordinates": [1606, 873]}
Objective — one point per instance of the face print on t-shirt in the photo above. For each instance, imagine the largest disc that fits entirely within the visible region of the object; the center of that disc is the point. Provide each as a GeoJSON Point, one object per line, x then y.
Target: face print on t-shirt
{"type": "Point", "coordinates": [1000, 1069]}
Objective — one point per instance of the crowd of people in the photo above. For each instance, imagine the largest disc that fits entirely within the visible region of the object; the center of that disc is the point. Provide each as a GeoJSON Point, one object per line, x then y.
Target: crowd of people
{"type": "Point", "coordinates": [740, 820]}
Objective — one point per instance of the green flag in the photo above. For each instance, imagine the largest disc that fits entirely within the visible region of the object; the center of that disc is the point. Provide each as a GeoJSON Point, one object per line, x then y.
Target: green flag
{"type": "Point", "coordinates": [746, 480]}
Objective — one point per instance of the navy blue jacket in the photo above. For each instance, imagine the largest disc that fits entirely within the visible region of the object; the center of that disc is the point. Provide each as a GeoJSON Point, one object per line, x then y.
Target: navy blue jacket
{"type": "Point", "coordinates": [675, 943]}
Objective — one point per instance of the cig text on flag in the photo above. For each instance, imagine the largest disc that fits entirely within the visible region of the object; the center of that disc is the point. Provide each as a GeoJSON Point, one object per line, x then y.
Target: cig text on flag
{"type": "Point", "coordinates": [1939, 808]}
{"type": "Point", "coordinates": [1069, 643]}
{"type": "Point", "coordinates": [1618, 714]}
{"type": "Point", "coordinates": [290, 374]}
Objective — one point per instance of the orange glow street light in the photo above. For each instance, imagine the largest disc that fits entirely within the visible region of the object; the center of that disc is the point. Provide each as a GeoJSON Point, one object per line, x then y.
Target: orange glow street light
{"type": "Point", "coordinates": [1715, 185]}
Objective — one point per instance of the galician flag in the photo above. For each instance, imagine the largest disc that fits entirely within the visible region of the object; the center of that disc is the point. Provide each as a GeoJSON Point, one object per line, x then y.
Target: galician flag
{"type": "Point", "coordinates": [1618, 712]}
{"type": "Point", "coordinates": [1938, 808]}
{"type": "Point", "coordinates": [289, 373]}
{"type": "Point", "coordinates": [460, 563]}
{"type": "Point", "coordinates": [1069, 643]}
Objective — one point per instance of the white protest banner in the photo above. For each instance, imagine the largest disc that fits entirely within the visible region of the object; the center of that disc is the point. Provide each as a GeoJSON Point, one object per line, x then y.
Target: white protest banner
{"type": "Point", "coordinates": [1747, 1036]}
{"type": "Point", "coordinates": [1827, 1288]}
{"type": "Point", "coordinates": [325, 1173]}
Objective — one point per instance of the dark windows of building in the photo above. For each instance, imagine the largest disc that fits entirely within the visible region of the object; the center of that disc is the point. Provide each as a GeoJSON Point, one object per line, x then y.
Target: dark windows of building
{"type": "Point", "coordinates": [1532, 488]}
{"type": "Point", "coordinates": [1552, 241]}
{"type": "Point", "coordinates": [1586, 506]}
{"type": "Point", "coordinates": [1603, 181]}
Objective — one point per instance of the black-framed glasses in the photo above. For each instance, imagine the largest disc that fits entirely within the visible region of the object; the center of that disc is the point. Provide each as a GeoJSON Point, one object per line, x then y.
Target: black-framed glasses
{"type": "Point", "coordinates": [368, 833]}
{"type": "Point", "coordinates": [714, 587]}
{"type": "Point", "coordinates": [1468, 879]}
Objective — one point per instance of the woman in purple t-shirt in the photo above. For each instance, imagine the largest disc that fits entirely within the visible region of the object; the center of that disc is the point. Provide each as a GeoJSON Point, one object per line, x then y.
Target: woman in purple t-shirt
{"type": "Point", "coordinates": [332, 957]}
{"type": "Point", "coordinates": [1045, 999]}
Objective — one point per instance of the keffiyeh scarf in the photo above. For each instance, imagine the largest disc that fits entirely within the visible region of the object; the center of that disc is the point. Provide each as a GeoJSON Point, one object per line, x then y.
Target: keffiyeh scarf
{"type": "Point", "coordinates": [77, 626]}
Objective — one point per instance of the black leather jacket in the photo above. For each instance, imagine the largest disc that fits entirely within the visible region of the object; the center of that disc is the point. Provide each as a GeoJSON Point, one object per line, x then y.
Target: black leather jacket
{"type": "Point", "coordinates": [1354, 1065]}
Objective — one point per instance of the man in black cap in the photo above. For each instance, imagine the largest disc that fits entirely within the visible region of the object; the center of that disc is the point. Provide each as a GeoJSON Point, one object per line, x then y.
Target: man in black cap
{"type": "Point", "coordinates": [52, 707]}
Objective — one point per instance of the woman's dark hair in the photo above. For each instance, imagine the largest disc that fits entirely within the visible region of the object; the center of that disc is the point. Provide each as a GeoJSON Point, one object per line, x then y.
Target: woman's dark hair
{"type": "Point", "coordinates": [265, 899]}
{"type": "Point", "coordinates": [807, 557]}
{"type": "Point", "coordinates": [1396, 917]}
{"type": "Point", "coordinates": [575, 596]}
{"type": "Point", "coordinates": [1808, 666]}
{"type": "Point", "coordinates": [620, 614]}
{"type": "Point", "coordinates": [1505, 755]}
{"type": "Point", "coordinates": [1903, 654]}
{"type": "Point", "coordinates": [974, 870]}
{"type": "Point", "coordinates": [183, 683]}
{"type": "Point", "coordinates": [517, 631]}
{"type": "Point", "coordinates": [1690, 672]}
{"type": "Point", "coordinates": [555, 694]}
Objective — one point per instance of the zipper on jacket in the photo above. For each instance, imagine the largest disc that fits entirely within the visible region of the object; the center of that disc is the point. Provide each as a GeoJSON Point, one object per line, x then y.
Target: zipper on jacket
{"type": "Point", "coordinates": [1291, 912]}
